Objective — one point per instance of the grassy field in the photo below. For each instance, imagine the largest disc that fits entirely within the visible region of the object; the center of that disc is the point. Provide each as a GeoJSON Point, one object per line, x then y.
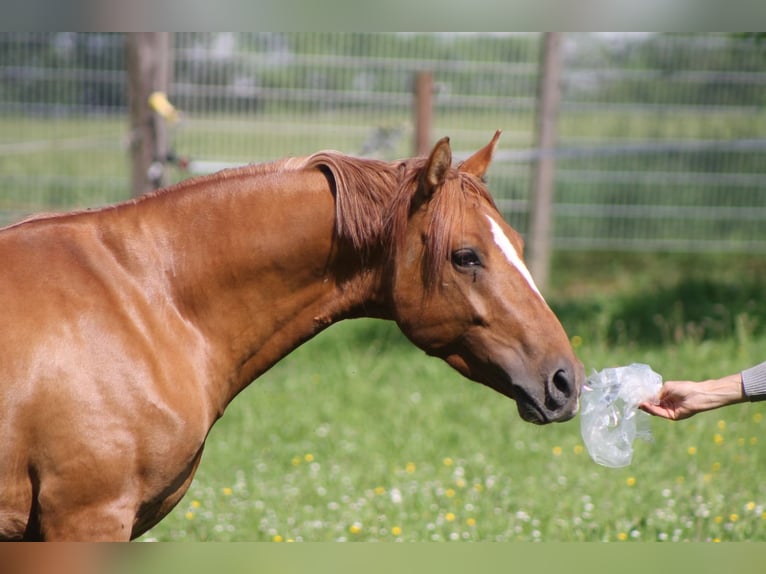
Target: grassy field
{"type": "Point", "coordinates": [358, 436]}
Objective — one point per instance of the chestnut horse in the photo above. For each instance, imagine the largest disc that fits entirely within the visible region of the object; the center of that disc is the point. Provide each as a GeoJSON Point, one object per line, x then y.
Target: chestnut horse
{"type": "Point", "coordinates": [127, 330]}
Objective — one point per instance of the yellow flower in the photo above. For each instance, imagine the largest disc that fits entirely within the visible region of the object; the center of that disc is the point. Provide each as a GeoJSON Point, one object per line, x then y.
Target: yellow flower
{"type": "Point", "coordinates": [309, 457]}
{"type": "Point", "coordinates": [733, 517]}
{"type": "Point", "coordinates": [410, 468]}
{"type": "Point", "coordinates": [578, 449]}
{"type": "Point", "coordinates": [718, 519]}
{"type": "Point", "coordinates": [396, 531]}
{"type": "Point", "coordinates": [195, 504]}
{"type": "Point", "coordinates": [449, 517]}
{"type": "Point", "coordinates": [622, 536]}
{"type": "Point", "coordinates": [716, 466]}
{"type": "Point", "coordinates": [460, 483]}
{"type": "Point", "coordinates": [557, 450]}
{"type": "Point", "coordinates": [189, 515]}
{"type": "Point", "coordinates": [753, 440]}
{"type": "Point", "coordinates": [631, 481]}
{"type": "Point", "coordinates": [718, 439]}
{"type": "Point", "coordinates": [692, 450]}
{"type": "Point", "coordinates": [757, 417]}
{"type": "Point", "coordinates": [721, 425]}
{"type": "Point", "coordinates": [296, 460]}
{"type": "Point", "coordinates": [448, 461]}
{"type": "Point", "coordinates": [355, 528]}
{"type": "Point", "coordinates": [680, 480]}
{"type": "Point", "coordinates": [471, 522]}
{"type": "Point", "coordinates": [276, 538]}
{"type": "Point", "coordinates": [380, 490]}
{"type": "Point", "coordinates": [576, 341]}
{"type": "Point", "coordinates": [750, 506]}
{"type": "Point", "coordinates": [478, 487]}
{"type": "Point", "coordinates": [227, 491]}
{"type": "Point", "coordinates": [716, 539]}
{"type": "Point", "coordinates": [449, 493]}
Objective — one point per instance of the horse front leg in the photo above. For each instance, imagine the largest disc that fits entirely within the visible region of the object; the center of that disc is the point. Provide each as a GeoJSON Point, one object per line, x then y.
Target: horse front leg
{"type": "Point", "coordinates": [77, 514]}
{"type": "Point", "coordinates": [94, 499]}
{"type": "Point", "coordinates": [106, 521]}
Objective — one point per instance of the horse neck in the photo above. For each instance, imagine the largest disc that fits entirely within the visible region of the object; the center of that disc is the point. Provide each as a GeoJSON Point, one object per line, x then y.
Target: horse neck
{"type": "Point", "coordinates": [255, 266]}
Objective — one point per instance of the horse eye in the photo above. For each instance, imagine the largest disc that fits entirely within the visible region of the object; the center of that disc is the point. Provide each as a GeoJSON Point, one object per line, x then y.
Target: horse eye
{"type": "Point", "coordinates": [465, 258]}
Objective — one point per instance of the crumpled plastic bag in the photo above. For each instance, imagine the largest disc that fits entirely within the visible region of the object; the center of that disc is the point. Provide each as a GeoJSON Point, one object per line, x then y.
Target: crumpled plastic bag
{"type": "Point", "coordinates": [609, 416]}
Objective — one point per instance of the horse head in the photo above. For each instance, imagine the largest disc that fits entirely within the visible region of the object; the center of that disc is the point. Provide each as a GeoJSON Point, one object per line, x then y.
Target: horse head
{"type": "Point", "coordinates": [461, 291]}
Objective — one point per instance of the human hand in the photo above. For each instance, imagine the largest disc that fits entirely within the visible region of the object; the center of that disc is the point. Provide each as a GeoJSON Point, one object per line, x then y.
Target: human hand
{"type": "Point", "coordinates": [679, 400]}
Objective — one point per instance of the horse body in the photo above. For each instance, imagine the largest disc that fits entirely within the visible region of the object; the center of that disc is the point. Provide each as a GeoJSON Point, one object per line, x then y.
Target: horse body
{"type": "Point", "coordinates": [127, 331]}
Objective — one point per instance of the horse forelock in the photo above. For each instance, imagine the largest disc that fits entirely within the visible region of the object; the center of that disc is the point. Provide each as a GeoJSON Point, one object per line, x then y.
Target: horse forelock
{"type": "Point", "coordinates": [450, 206]}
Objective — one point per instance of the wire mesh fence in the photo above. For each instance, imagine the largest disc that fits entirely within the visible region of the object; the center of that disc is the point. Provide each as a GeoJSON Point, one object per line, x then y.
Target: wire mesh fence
{"type": "Point", "coordinates": [661, 137]}
{"type": "Point", "coordinates": [664, 140]}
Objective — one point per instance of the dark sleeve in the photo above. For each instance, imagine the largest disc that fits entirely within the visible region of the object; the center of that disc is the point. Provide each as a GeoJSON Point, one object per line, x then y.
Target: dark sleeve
{"type": "Point", "coordinates": [754, 382]}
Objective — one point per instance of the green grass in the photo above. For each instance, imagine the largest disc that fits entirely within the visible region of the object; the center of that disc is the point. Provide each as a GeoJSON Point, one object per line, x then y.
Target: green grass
{"type": "Point", "coordinates": [359, 436]}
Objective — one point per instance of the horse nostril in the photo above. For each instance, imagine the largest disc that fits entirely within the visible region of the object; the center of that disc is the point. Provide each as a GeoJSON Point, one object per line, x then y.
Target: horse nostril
{"type": "Point", "coordinates": [561, 392]}
{"type": "Point", "coordinates": [562, 382]}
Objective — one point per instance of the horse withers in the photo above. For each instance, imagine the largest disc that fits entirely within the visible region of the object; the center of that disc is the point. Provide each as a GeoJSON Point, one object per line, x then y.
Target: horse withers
{"type": "Point", "coordinates": [127, 330]}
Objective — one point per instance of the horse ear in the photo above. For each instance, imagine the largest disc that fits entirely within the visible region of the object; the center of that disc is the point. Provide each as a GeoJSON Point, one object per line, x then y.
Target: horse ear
{"type": "Point", "coordinates": [437, 165]}
{"type": "Point", "coordinates": [479, 162]}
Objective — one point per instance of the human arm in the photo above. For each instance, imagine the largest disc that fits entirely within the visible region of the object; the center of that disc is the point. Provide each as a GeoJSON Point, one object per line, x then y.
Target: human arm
{"type": "Point", "coordinates": [679, 400]}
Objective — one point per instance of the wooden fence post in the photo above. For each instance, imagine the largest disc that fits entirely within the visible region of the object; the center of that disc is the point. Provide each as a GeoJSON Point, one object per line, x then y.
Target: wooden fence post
{"type": "Point", "coordinates": [543, 177]}
{"type": "Point", "coordinates": [424, 89]}
{"type": "Point", "coordinates": [149, 69]}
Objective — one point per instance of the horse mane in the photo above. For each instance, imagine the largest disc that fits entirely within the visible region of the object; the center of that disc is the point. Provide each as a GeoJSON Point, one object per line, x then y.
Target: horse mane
{"type": "Point", "coordinates": [363, 190]}
{"type": "Point", "coordinates": [362, 187]}
{"type": "Point", "coordinates": [375, 199]}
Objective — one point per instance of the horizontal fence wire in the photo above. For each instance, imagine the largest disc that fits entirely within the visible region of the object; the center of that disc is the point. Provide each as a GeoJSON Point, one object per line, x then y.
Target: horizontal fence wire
{"type": "Point", "coordinates": [661, 137]}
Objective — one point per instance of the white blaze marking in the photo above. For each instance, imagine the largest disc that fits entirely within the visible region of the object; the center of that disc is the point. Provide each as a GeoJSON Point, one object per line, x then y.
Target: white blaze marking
{"type": "Point", "coordinates": [510, 253]}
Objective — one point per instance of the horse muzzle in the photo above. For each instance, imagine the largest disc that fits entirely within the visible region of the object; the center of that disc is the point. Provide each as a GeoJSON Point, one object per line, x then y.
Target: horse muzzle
{"type": "Point", "coordinates": [555, 398]}
{"type": "Point", "coordinates": [552, 397]}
